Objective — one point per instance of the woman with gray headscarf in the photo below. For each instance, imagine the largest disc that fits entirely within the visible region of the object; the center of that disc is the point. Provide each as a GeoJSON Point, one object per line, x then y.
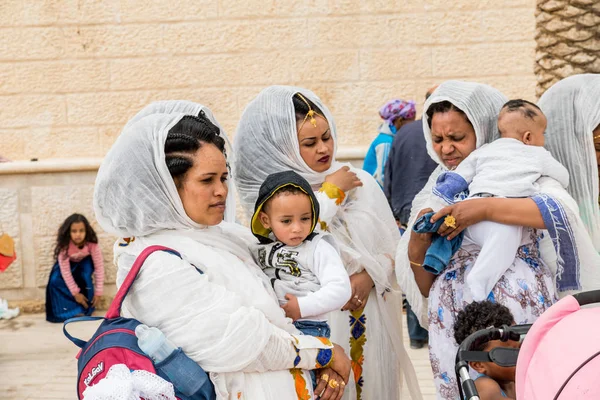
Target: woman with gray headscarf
{"type": "Point", "coordinates": [460, 117]}
{"type": "Point", "coordinates": [164, 182]}
{"type": "Point", "coordinates": [289, 128]}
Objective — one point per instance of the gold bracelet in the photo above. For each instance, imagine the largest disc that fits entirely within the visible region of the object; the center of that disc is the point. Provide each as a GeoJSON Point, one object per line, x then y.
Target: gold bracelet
{"type": "Point", "coordinates": [415, 264]}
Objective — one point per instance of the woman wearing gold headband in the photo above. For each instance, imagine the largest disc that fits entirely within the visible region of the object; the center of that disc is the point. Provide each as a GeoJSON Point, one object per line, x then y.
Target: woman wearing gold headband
{"type": "Point", "coordinates": [288, 128]}
{"type": "Point", "coordinates": [460, 117]}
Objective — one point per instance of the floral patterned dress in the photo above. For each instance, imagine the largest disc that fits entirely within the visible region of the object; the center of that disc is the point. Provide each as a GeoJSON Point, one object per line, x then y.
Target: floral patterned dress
{"type": "Point", "coordinates": [526, 288]}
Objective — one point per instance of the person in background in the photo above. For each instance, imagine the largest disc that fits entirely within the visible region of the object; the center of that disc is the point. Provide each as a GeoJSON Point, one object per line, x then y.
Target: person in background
{"type": "Point", "coordinates": [406, 172]}
{"type": "Point", "coordinates": [70, 291]}
{"type": "Point", "coordinates": [396, 113]}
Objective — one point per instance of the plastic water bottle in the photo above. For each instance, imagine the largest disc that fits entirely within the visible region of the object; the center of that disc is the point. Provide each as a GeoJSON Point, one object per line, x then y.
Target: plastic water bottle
{"type": "Point", "coordinates": [154, 343]}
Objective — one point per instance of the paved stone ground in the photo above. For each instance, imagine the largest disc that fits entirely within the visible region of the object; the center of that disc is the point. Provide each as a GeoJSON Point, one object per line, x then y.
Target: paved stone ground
{"type": "Point", "coordinates": [38, 362]}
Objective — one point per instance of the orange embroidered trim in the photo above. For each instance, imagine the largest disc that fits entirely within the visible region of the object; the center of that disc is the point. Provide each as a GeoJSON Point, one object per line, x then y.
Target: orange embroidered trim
{"type": "Point", "coordinates": [324, 340]}
{"type": "Point", "coordinates": [300, 384]}
{"type": "Point", "coordinates": [358, 338]}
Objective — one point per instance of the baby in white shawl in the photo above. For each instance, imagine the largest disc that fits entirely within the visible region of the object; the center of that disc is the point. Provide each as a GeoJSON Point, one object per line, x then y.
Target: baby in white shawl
{"type": "Point", "coordinates": [507, 167]}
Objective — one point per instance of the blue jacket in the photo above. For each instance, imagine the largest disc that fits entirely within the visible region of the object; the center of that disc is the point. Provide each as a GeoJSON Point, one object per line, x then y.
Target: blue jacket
{"type": "Point", "coordinates": [378, 153]}
{"type": "Point", "coordinates": [441, 250]}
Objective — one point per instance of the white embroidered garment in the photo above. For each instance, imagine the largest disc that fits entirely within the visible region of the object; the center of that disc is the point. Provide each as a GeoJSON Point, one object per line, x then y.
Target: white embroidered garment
{"type": "Point", "coordinates": [572, 107]}
{"type": "Point", "coordinates": [266, 142]}
{"type": "Point", "coordinates": [227, 318]}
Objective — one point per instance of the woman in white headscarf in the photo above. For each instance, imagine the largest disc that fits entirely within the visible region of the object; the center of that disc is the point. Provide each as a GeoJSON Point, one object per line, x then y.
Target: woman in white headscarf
{"type": "Point", "coordinates": [460, 117]}
{"type": "Point", "coordinates": [572, 107]}
{"type": "Point", "coordinates": [164, 182]}
{"type": "Point", "coordinates": [289, 128]}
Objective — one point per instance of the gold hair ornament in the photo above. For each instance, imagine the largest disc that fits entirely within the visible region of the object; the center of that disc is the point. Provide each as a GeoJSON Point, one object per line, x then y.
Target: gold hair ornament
{"type": "Point", "coordinates": [310, 115]}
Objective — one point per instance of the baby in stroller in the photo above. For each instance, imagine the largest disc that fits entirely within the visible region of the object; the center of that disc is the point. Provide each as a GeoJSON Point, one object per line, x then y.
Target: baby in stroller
{"type": "Point", "coordinates": [493, 381]}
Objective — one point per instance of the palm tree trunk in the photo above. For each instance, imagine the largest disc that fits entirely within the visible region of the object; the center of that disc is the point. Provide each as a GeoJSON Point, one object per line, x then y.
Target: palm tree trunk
{"type": "Point", "coordinates": [568, 40]}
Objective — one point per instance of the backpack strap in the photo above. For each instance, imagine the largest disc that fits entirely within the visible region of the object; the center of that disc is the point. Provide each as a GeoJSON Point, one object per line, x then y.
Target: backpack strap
{"type": "Point", "coordinates": [114, 310]}
{"type": "Point", "coordinates": [78, 342]}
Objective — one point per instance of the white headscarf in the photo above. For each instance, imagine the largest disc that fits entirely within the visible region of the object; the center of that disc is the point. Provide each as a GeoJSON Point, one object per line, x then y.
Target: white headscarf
{"type": "Point", "coordinates": [190, 108]}
{"type": "Point", "coordinates": [572, 107]}
{"type": "Point", "coordinates": [481, 104]}
{"type": "Point", "coordinates": [266, 141]}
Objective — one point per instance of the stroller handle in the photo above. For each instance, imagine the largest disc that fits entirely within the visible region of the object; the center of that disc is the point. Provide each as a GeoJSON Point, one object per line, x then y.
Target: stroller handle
{"type": "Point", "coordinates": [585, 298]}
{"type": "Point", "coordinates": [466, 385]}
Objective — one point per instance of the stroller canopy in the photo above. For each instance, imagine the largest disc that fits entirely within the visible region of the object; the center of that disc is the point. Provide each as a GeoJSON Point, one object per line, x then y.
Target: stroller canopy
{"type": "Point", "coordinates": [560, 356]}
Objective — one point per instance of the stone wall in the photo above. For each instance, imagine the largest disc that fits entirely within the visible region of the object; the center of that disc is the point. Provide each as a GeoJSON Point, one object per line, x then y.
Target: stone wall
{"type": "Point", "coordinates": [72, 72]}
{"type": "Point", "coordinates": [35, 198]}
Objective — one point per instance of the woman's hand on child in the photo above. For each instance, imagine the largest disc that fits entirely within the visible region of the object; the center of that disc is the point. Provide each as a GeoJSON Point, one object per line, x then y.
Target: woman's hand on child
{"type": "Point", "coordinates": [361, 284]}
{"type": "Point", "coordinates": [81, 299]}
{"type": "Point", "coordinates": [292, 308]}
{"type": "Point", "coordinates": [96, 300]}
{"type": "Point", "coordinates": [344, 179]}
{"type": "Point", "coordinates": [466, 213]}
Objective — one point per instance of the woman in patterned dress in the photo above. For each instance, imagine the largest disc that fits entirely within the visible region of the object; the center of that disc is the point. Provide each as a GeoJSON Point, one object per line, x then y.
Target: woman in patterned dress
{"type": "Point", "coordinates": [460, 117]}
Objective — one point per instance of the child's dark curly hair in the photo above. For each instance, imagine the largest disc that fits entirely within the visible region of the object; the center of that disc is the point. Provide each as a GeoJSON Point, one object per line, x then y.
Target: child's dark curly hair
{"type": "Point", "coordinates": [480, 315]}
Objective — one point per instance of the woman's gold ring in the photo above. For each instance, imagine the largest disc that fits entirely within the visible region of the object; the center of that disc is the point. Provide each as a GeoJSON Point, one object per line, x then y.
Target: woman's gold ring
{"type": "Point", "coordinates": [325, 377]}
{"type": "Point", "coordinates": [450, 222]}
{"type": "Point", "coordinates": [333, 383]}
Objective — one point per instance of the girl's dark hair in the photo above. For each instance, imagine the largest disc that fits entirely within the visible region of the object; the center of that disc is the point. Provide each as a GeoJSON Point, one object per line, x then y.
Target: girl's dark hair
{"type": "Point", "coordinates": [64, 233]}
{"type": "Point", "coordinates": [185, 138]}
{"type": "Point", "coordinates": [443, 107]}
{"type": "Point", "coordinates": [301, 108]}
{"type": "Point", "coordinates": [480, 315]}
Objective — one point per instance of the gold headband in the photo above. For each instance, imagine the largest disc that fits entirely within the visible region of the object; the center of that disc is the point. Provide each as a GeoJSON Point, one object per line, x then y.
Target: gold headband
{"type": "Point", "coordinates": [310, 115]}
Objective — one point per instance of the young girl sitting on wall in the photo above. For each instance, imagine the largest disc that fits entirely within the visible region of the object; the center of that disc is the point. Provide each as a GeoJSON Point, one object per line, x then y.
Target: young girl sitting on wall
{"type": "Point", "coordinates": [70, 291]}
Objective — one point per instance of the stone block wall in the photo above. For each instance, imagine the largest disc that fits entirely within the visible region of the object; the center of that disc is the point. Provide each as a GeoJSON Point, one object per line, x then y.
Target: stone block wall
{"type": "Point", "coordinates": [72, 72]}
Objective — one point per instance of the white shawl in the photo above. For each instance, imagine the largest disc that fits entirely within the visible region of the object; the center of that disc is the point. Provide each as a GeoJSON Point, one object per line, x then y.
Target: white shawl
{"type": "Point", "coordinates": [572, 107]}
{"type": "Point", "coordinates": [266, 142]}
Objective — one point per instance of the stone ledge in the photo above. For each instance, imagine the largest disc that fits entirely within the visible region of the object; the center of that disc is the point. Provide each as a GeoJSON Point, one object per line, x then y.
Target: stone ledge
{"type": "Point", "coordinates": [39, 306]}
{"type": "Point", "coordinates": [50, 165]}
{"type": "Point", "coordinates": [92, 164]}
